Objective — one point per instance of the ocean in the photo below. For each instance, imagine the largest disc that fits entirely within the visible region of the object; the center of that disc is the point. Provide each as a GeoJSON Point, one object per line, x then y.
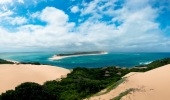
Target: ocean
{"type": "Point", "coordinates": [89, 61]}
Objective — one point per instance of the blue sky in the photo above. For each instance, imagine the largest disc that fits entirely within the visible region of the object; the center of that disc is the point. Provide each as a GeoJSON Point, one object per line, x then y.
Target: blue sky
{"type": "Point", "coordinates": [67, 25]}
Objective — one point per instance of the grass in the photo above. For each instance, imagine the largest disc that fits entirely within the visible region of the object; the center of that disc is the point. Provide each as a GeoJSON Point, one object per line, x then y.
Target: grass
{"type": "Point", "coordinates": [123, 94]}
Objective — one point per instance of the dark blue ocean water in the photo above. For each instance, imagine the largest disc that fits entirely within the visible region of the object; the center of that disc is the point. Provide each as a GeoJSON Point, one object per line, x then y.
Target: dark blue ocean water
{"type": "Point", "coordinates": [90, 61]}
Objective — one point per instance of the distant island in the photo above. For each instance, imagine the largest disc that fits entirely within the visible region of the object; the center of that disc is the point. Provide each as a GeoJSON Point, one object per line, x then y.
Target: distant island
{"type": "Point", "coordinates": [82, 53]}
{"type": "Point", "coordinates": [65, 55]}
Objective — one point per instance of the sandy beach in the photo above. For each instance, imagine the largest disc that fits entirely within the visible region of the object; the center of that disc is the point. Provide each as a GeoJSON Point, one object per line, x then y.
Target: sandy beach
{"type": "Point", "coordinates": [11, 75]}
{"type": "Point", "coordinates": [58, 57]}
{"type": "Point", "coordinates": [151, 85]}
{"type": "Point", "coordinates": [55, 57]}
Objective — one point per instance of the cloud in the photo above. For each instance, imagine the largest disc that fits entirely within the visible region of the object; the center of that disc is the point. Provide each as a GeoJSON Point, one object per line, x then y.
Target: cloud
{"type": "Point", "coordinates": [90, 8]}
{"type": "Point", "coordinates": [16, 3]}
{"type": "Point", "coordinates": [5, 1]}
{"type": "Point", "coordinates": [11, 2]}
{"type": "Point", "coordinates": [57, 32]}
{"type": "Point", "coordinates": [138, 28]}
{"type": "Point", "coordinates": [75, 9]}
{"type": "Point", "coordinates": [55, 16]}
{"type": "Point", "coordinates": [105, 25]}
{"type": "Point", "coordinates": [21, 1]}
{"type": "Point", "coordinates": [5, 13]}
{"type": "Point", "coordinates": [8, 18]}
{"type": "Point", "coordinates": [18, 20]}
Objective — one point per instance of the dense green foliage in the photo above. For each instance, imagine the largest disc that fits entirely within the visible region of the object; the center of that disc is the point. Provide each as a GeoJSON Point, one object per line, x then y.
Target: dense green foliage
{"type": "Point", "coordinates": [28, 91]}
{"type": "Point", "coordinates": [79, 84]}
{"type": "Point", "coordinates": [82, 82]}
{"type": "Point", "coordinates": [158, 63]}
{"type": "Point", "coordinates": [155, 64]}
{"type": "Point", "coordinates": [2, 61]}
{"type": "Point", "coordinates": [5, 62]}
{"type": "Point", "coordinates": [33, 63]}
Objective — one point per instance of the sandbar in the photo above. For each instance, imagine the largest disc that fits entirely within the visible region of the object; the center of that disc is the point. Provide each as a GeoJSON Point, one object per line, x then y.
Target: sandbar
{"type": "Point", "coordinates": [55, 57]}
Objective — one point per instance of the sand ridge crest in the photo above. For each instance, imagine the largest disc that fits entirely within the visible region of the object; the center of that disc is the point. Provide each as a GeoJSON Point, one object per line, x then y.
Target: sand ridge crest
{"type": "Point", "coordinates": [150, 85]}
{"type": "Point", "coordinates": [12, 75]}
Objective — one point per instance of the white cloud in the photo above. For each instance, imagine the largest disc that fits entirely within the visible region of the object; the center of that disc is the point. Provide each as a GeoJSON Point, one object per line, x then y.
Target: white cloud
{"type": "Point", "coordinates": [21, 1]}
{"type": "Point", "coordinates": [5, 1]}
{"type": "Point", "coordinates": [75, 9]}
{"type": "Point", "coordinates": [11, 2]}
{"type": "Point", "coordinates": [5, 13]}
{"type": "Point", "coordinates": [90, 8]}
{"type": "Point", "coordinates": [18, 20]}
{"type": "Point", "coordinates": [138, 30]}
{"type": "Point", "coordinates": [54, 16]}
{"type": "Point", "coordinates": [51, 35]}
{"type": "Point", "coordinates": [7, 18]}
{"type": "Point", "coordinates": [35, 15]}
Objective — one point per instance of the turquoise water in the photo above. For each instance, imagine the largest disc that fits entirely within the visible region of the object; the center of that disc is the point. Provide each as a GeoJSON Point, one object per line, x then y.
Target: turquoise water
{"type": "Point", "coordinates": [90, 61]}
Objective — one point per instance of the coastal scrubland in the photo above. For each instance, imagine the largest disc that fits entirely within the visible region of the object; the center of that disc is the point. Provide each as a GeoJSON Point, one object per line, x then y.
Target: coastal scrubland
{"type": "Point", "coordinates": [2, 61]}
{"type": "Point", "coordinates": [79, 84]}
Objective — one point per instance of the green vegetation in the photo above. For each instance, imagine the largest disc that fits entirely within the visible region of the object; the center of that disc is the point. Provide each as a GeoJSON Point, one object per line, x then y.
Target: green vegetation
{"type": "Point", "coordinates": [2, 61]}
{"type": "Point", "coordinates": [33, 63]}
{"type": "Point", "coordinates": [123, 94]}
{"type": "Point", "coordinates": [28, 91]}
{"type": "Point", "coordinates": [158, 63]}
{"type": "Point", "coordinates": [5, 62]}
{"type": "Point", "coordinates": [154, 64]}
{"type": "Point", "coordinates": [80, 83]}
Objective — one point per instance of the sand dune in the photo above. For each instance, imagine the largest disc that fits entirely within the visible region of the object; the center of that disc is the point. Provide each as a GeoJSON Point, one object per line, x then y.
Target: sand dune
{"type": "Point", "coordinates": [12, 75]}
{"type": "Point", "coordinates": [151, 85]}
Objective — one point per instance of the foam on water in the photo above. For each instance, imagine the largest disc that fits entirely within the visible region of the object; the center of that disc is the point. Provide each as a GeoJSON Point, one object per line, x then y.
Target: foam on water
{"type": "Point", "coordinates": [145, 63]}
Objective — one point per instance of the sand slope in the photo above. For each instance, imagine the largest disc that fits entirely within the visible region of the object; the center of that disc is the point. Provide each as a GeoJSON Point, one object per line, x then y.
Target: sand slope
{"type": "Point", "coordinates": [11, 75]}
{"type": "Point", "coordinates": [151, 85]}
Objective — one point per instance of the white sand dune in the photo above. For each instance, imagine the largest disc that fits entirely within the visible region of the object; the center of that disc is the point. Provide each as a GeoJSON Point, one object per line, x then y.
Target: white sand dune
{"type": "Point", "coordinates": [151, 85]}
{"type": "Point", "coordinates": [11, 75]}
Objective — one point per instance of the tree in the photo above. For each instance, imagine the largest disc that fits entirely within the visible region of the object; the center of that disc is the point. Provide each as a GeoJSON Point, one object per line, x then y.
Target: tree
{"type": "Point", "coordinates": [28, 91]}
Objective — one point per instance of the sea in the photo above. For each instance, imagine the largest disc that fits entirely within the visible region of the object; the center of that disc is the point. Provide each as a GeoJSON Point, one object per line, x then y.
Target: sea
{"type": "Point", "coordinates": [89, 61]}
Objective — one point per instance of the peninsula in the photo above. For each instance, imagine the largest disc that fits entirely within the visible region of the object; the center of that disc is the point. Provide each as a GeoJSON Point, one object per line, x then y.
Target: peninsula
{"type": "Point", "coordinates": [75, 54]}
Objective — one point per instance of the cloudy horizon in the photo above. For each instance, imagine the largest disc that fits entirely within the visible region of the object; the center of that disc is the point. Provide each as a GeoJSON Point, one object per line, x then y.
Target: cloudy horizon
{"type": "Point", "coordinates": [75, 25]}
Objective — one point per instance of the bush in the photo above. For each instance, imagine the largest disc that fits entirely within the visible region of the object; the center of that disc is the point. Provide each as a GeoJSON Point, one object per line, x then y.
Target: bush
{"type": "Point", "coordinates": [33, 63]}
{"type": "Point", "coordinates": [27, 91]}
{"type": "Point", "coordinates": [5, 62]}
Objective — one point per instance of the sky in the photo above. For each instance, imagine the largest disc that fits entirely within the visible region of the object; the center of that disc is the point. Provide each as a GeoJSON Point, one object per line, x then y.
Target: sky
{"type": "Point", "coordinates": [81, 25]}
